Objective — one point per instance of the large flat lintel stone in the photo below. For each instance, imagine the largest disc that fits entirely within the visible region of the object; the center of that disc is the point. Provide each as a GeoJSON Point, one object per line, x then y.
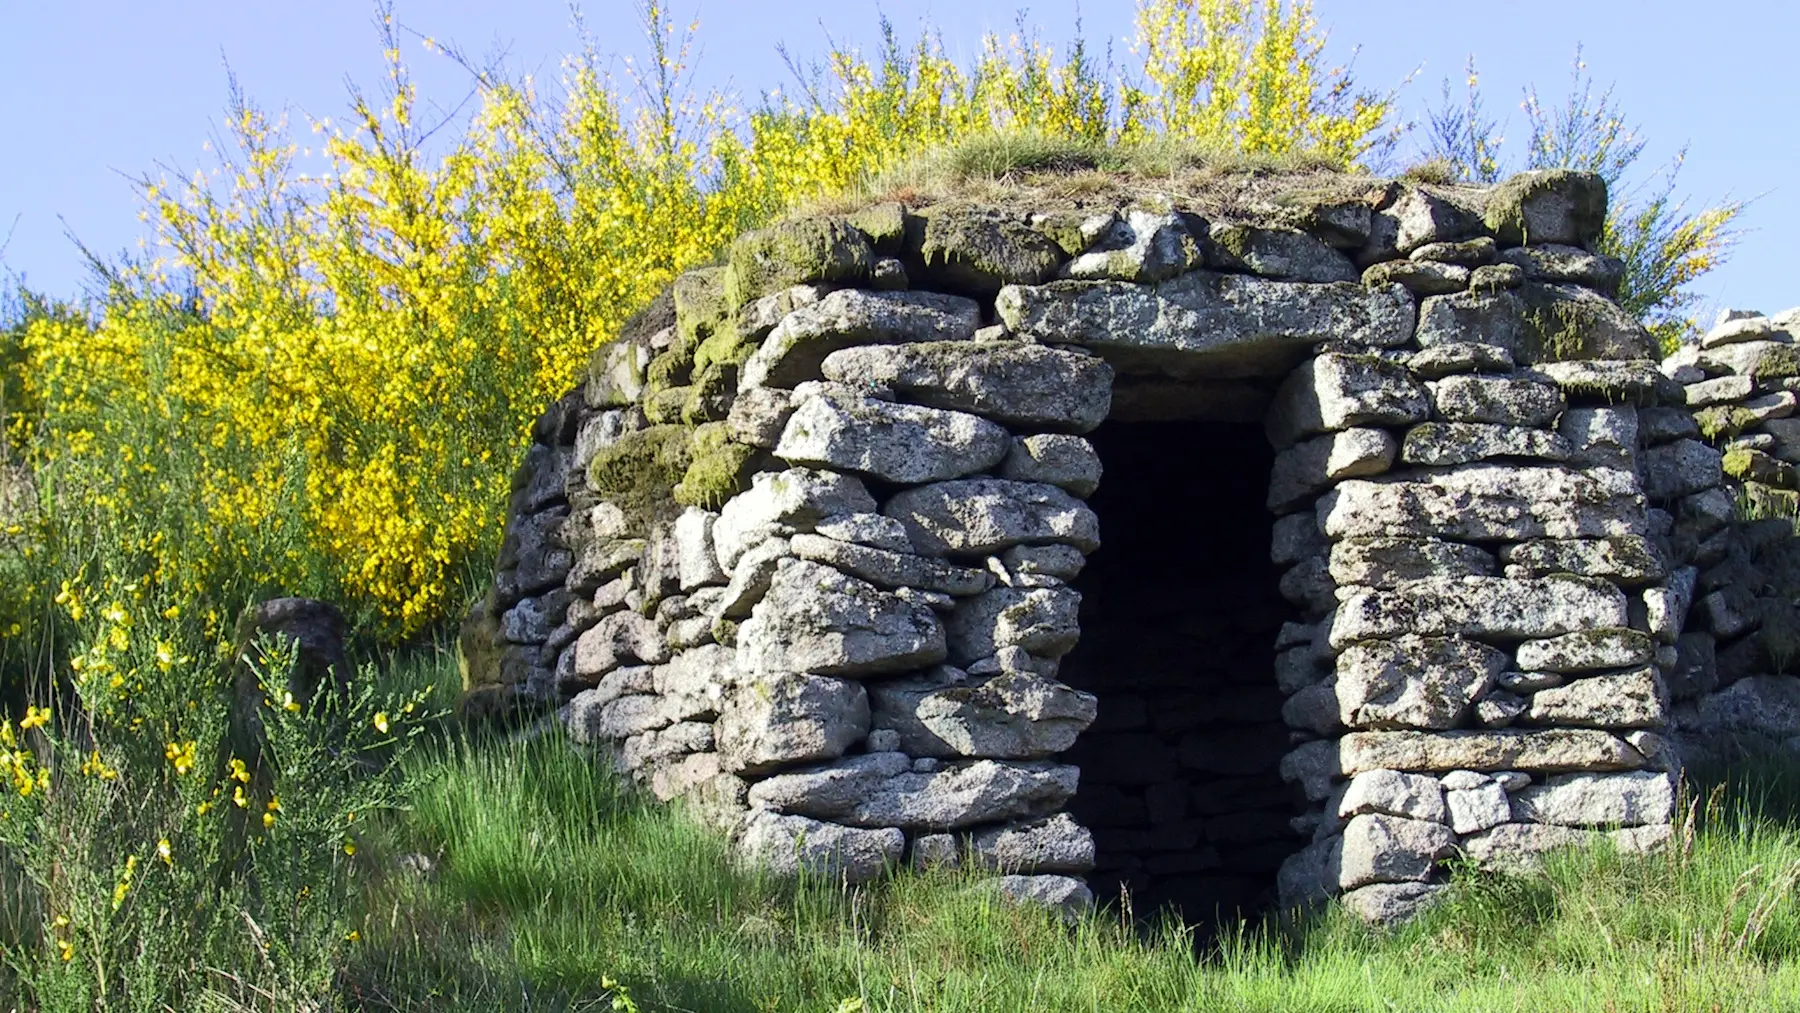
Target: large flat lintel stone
{"type": "Point", "coordinates": [1009, 382]}
{"type": "Point", "coordinates": [1238, 326]}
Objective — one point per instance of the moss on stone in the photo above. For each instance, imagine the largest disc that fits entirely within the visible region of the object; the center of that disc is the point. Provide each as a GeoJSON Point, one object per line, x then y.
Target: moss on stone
{"type": "Point", "coordinates": [709, 396]}
{"type": "Point", "coordinates": [479, 644]}
{"type": "Point", "coordinates": [637, 473]}
{"type": "Point", "coordinates": [1507, 216]}
{"type": "Point", "coordinates": [1232, 238]}
{"type": "Point", "coordinates": [1739, 462]}
{"type": "Point", "coordinates": [1722, 422]}
{"type": "Point", "coordinates": [700, 304]}
{"type": "Point", "coordinates": [794, 253]}
{"type": "Point", "coordinates": [671, 367]}
{"type": "Point", "coordinates": [884, 224]}
{"type": "Point", "coordinates": [1782, 360]}
{"type": "Point", "coordinates": [724, 632]}
{"type": "Point", "coordinates": [1064, 229]}
{"type": "Point", "coordinates": [969, 248]}
{"type": "Point", "coordinates": [716, 469]}
{"type": "Point", "coordinates": [725, 348]}
{"type": "Point", "coordinates": [663, 407]}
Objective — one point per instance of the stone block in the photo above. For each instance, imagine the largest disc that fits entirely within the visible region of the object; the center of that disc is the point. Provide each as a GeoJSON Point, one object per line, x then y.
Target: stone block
{"type": "Point", "coordinates": [1413, 682]}
{"type": "Point", "coordinates": [1390, 562]}
{"type": "Point", "coordinates": [897, 443]}
{"type": "Point", "coordinates": [1305, 468]}
{"type": "Point", "coordinates": [1441, 444]}
{"type": "Point", "coordinates": [1550, 750]}
{"type": "Point", "coordinates": [1231, 325]}
{"type": "Point", "coordinates": [1479, 607]}
{"type": "Point", "coordinates": [791, 845]}
{"type": "Point", "coordinates": [977, 517]}
{"type": "Point", "coordinates": [1494, 399]}
{"type": "Point", "coordinates": [1390, 849]}
{"type": "Point", "coordinates": [1413, 796]}
{"type": "Point", "coordinates": [818, 620]}
{"type": "Point", "coordinates": [1487, 502]}
{"type": "Point", "coordinates": [1056, 459]}
{"type": "Point", "coordinates": [1335, 391]}
{"type": "Point", "coordinates": [1633, 799]}
{"type": "Point", "coordinates": [795, 350]}
{"type": "Point", "coordinates": [883, 789]}
{"type": "Point", "coordinates": [1012, 383]}
{"type": "Point", "coordinates": [788, 719]}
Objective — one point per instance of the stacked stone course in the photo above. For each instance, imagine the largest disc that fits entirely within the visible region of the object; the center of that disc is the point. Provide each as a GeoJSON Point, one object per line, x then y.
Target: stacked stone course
{"type": "Point", "coordinates": [1728, 468]}
{"type": "Point", "coordinates": [806, 550]}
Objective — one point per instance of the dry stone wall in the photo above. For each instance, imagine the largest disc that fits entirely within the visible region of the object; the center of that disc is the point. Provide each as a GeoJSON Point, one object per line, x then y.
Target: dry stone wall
{"type": "Point", "coordinates": [806, 551]}
{"type": "Point", "coordinates": [1727, 465]}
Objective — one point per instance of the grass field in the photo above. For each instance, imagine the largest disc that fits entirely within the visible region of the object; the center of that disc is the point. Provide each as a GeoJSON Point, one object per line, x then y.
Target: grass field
{"type": "Point", "coordinates": [551, 887]}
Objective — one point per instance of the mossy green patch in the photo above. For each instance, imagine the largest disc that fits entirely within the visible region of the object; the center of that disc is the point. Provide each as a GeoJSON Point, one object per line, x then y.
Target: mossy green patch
{"type": "Point", "coordinates": [1779, 361]}
{"type": "Point", "coordinates": [638, 473]}
{"type": "Point", "coordinates": [1511, 203]}
{"type": "Point", "coordinates": [672, 366]}
{"type": "Point", "coordinates": [1722, 422]}
{"type": "Point", "coordinates": [975, 249]}
{"type": "Point", "coordinates": [1565, 323]}
{"type": "Point", "coordinates": [1747, 465]}
{"type": "Point", "coordinates": [716, 470]}
{"type": "Point", "coordinates": [663, 407]}
{"type": "Point", "coordinates": [884, 224]}
{"type": "Point", "coordinates": [700, 304]}
{"type": "Point", "coordinates": [1759, 502]}
{"type": "Point", "coordinates": [1064, 229]}
{"type": "Point", "coordinates": [725, 348]}
{"type": "Point", "coordinates": [793, 253]}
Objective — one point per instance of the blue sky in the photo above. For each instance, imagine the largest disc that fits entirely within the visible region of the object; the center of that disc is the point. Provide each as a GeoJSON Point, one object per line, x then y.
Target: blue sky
{"type": "Point", "coordinates": [93, 92]}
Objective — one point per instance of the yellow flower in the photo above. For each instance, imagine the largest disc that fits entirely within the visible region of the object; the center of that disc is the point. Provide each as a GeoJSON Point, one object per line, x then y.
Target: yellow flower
{"type": "Point", "coordinates": [124, 885]}
{"type": "Point", "coordinates": [349, 847]}
{"type": "Point", "coordinates": [381, 722]}
{"type": "Point", "coordinates": [181, 755]}
{"type": "Point", "coordinates": [35, 716]}
{"type": "Point", "coordinates": [65, 949]}
{"type": "Point", "coordinates": [268, 820]}
{"type": "Point", "coordinates": [239, 772]}
{"type": "Point", "coordinates": [289, 704]}
{"type": "Point", "coordinates": [353, 936]}
{"type": "Point", "coordinates": [171, 612]}
{"type": "Point", "coordinates": [237, 797]}
{"type": "Point", "coordinates": [165, 852]}
{"type": "Point", "coordinates": [94, 766]}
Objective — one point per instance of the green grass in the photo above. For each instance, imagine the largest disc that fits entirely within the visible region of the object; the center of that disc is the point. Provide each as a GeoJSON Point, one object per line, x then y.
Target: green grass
{"type": "Point", "coordinates": [551, 880]}
{"type": "Point", "coordinates": [521, 875]}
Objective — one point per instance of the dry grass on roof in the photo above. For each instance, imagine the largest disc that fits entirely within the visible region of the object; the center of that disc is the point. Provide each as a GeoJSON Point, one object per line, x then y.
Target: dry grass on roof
{"type": "Point", "coordinates": [1032, 172]}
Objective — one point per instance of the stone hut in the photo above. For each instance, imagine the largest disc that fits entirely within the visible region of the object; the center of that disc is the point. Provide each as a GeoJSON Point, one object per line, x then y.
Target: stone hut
{"type": "Point", "coordinates": [1284, 541]}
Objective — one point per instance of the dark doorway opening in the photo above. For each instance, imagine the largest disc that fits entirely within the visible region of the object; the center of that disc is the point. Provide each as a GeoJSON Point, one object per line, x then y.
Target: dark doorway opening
{"type": "Point", "coordinates": [1179, 616]}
